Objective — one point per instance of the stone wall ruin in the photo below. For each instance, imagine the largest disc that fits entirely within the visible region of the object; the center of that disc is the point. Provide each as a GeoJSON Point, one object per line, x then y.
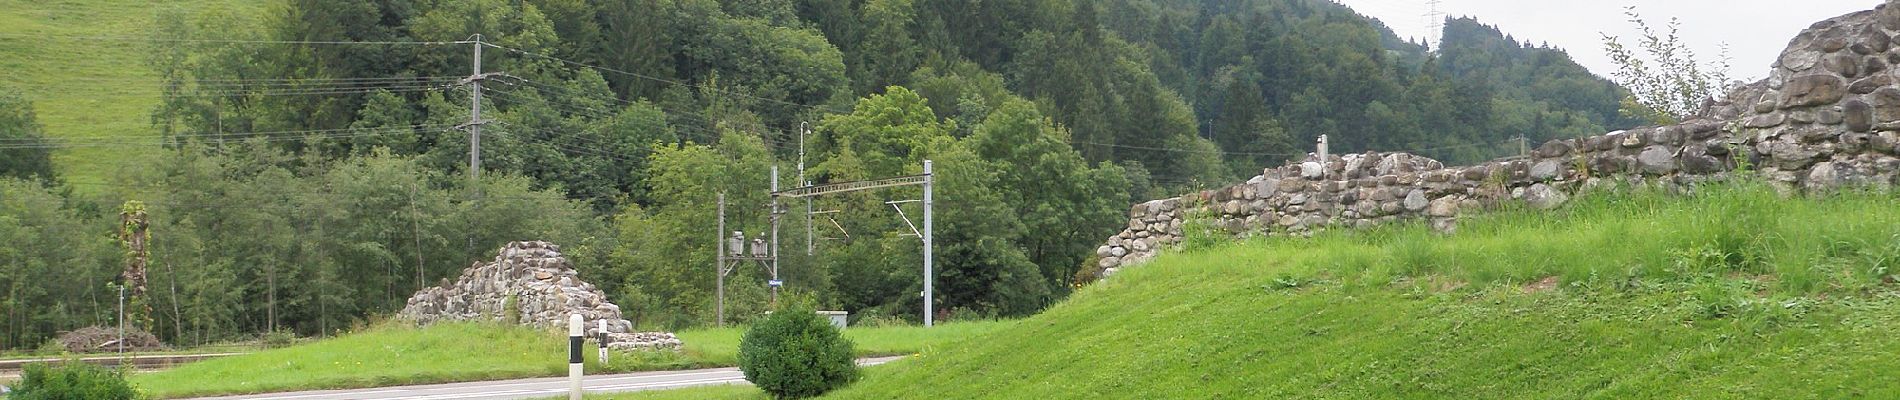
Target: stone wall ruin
{"type": "Point", "coordinates": [1826, 117]}
{"type": "Point", "coordinates": [545, 290]}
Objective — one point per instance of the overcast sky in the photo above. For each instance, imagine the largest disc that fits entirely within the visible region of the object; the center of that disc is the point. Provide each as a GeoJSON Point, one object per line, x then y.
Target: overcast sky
{"type": "Point", "coordinates": [1755, 30]}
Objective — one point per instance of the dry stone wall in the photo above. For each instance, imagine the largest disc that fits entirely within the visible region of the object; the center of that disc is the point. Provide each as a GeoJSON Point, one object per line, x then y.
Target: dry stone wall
{"type": "Point", "coordinates": [1826, 117]}
{"type": "Point", "coordinates": [545, 289]}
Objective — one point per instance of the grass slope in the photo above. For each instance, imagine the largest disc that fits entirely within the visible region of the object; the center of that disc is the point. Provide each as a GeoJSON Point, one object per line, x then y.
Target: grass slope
{"type": "Point", "coordinates": [1733, 293]}
{"type": "Point", "coordinates": [396, 354]}
{"type": "Point", "coordinates": [89, 87]}
{"type": "Point", "coordinates": [721, 346]}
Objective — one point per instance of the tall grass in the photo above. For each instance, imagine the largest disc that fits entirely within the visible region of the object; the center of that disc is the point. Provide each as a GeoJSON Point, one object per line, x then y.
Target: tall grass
{"type": "Point", "coordinates": [1839, 242]}
{"type": "Point", "coordinates": [1728, 292]}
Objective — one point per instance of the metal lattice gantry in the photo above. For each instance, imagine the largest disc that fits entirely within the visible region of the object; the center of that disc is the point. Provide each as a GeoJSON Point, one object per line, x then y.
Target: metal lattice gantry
{"type": "Point", "coordinates": [926, 180]}
{"type": "Point", "coordinates": [841, 187]}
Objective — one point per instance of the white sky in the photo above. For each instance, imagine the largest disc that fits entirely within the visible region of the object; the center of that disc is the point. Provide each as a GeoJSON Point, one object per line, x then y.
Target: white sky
{"type": "Point", "coordinates": [1755, 30]}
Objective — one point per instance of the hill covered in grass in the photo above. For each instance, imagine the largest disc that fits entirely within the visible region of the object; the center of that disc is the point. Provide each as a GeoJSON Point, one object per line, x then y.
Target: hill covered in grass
{"type": "Point", "coordinates": [1734, 292]}
{"type": "Point", "coordinates": [73, 59]}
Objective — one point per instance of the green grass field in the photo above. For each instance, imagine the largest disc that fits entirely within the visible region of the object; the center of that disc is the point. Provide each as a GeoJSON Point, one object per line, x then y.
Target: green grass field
{"type": "Point", "coordinates": [394, 354]}
{"type": "Point", "coordinates": [721, 346]}
{"type": "Point", "coordinates": [1735, 293]}
{"type": "Point", "coordinates": [724, 392]}
{"type": "Point", "coordinates": [85, 87]}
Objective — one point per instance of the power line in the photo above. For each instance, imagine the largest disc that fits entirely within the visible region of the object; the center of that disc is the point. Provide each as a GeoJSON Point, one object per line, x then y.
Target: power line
{"type": "Point", "coordinates": [536, 86]}
{"type": "Point", "coordinates": [266, 83]}
{"type": "Point", "coordinates": [226, 134]}
{"type": "Point", "coordinates": [663, 80]}
{"type": "Point", "coordinates": [1243, 153]}
{"type": "Point", "coordinates": [706, 135]}
{"type": "Point", "coordinates": [1231, 153]}
{"type": "Point", "coordinates": [188, 88]}
{"type": "Point", "coordinates": [557, 134]}
{"type": "Point", "coordinates": [247, 135]}
{"type": "Point", "coordinates": [161, 142]}
{"type": "Point", "coordinates": [549, 89]}
{"type": "Point", "coordinates": [767, 135]}
{"type": "Point", "coordinates": [235, 41]}
{"type": "Point", "coordinates": [293, 92]}
{"type": "Point", "coordinates": [221, 92]}
{"type": "Point", "coordinates": [572, 149]}
{"type": "Point", "coordinates": [222, 195]}
{"type": "Point", "coordinates": [151, 141]}
{"type": "Point", "coordinates": [270, 80]}
{"type": "Point", "coordinates": [683, 131]}
{"type": "Point", "coordinates": [359, 85]}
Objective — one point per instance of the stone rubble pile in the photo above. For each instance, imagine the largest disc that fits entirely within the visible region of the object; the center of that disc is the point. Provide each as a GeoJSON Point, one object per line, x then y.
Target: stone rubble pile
{"type": "Point", "coordinates": [643, 341]}
{"type": "Point", "coordinates": [1827, 117]}
{"type": "Point", "coordinates": [545, 289]}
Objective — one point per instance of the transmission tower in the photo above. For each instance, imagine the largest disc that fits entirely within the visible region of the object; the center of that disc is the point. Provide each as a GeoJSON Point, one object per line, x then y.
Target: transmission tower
{"type": "Point", "coordinates": [1434, 23]}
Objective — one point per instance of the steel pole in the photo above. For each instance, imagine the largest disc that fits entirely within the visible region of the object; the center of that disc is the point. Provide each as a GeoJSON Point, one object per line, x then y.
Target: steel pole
{"type": "Point", "coordinates": [719, 267]}
{"type": "Point", "coordinates": [122, 319]}
{"type": "Point", "coordinates": [929, 183]}
{"type": "Point", "coordinates": [809, 245]}
{"type": "Point", "coordinates": [774, 249]}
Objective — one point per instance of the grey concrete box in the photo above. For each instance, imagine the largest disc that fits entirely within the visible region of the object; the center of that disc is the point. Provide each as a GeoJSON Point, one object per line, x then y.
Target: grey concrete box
{"type": "Point", "coordinates": [837, 317]}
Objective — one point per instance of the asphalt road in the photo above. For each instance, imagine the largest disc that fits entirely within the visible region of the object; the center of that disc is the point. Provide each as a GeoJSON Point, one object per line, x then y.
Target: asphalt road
{"type": "Point", "coordinates": [536, 388]}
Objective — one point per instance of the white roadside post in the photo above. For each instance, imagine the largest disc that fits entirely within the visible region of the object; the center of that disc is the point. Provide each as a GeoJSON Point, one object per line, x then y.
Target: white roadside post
{"type": "Point", "coordinates": [574, 329]}
{"type": "Point", "coordinates": [602, 338]}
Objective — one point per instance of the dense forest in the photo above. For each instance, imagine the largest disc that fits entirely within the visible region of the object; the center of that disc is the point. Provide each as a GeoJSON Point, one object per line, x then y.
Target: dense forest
{"type": "Point", "coordinates": [318, 154]}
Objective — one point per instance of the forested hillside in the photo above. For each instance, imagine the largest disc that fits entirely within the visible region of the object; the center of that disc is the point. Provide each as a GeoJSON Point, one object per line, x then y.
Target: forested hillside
{"type": "Point", "coordinates": [315, 155]}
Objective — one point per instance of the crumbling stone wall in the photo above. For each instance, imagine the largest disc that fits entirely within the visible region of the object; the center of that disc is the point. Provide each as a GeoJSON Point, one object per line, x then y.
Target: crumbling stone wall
{"type": "Point", "coordinates": [545, 290]}
{"type": "Point", "coordinates": [1826, 117]}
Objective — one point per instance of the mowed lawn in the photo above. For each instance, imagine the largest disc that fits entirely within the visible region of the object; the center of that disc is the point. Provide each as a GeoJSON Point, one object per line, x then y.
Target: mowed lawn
{"type": "Point", "coordinates": [85, 81]}
{"type": "Point", "coordinates": [396, 354]}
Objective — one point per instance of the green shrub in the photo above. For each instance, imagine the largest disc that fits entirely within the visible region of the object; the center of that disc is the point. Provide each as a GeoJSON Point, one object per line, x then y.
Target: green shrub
{"type": "Point", "coordinates": [1201, 231]}
{"type": "Point", "coordinates": [278, 339]}
{"type": "Point", "coordinates": [794, 353]}
{"type": "Point", "coordinates": [71, 381]}
{"type": "Point", "coordinates": [1090, 271]}
{"type": "Point", "coordinates": [882, 321]}
{"type": "Point", "coordinates": [50, 347]}
{"type": "Point", "coordinates": [511, 310]}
